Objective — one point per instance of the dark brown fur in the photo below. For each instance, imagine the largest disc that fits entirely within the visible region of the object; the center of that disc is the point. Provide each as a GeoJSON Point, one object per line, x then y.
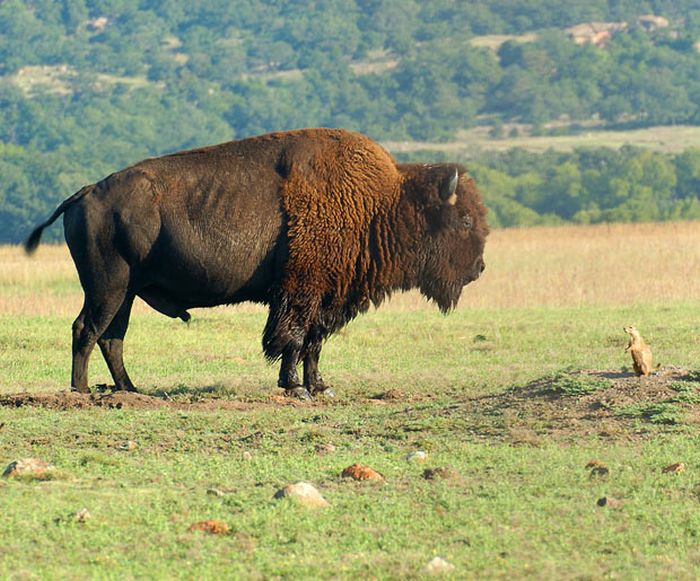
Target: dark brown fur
{"type": "Point", "coordinates": [317, 223]}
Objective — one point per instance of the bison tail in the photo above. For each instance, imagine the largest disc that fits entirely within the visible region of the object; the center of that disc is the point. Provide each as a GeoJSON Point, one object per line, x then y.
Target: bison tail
{"type": "Point", "coordinates": [32, 241]}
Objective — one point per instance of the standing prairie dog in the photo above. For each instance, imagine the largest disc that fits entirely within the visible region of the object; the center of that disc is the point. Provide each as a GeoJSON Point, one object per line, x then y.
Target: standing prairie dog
{"type": "Point", "coordinates": [641, 354]}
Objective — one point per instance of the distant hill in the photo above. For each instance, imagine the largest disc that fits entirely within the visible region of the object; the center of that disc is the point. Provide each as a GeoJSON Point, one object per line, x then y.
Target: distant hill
{"type": "Point", "coordinates": [87, 86]}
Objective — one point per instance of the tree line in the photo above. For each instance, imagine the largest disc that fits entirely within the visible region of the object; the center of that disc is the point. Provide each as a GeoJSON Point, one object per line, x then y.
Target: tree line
{"type": "Point", "coordinates": [87, 87]}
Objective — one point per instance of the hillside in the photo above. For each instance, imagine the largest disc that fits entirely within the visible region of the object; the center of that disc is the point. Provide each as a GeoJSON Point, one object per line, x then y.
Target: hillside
{"type": "Point", "coordinates": [87, 87]}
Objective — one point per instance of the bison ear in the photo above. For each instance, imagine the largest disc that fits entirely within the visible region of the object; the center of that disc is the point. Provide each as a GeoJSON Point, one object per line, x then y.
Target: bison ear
{"type": "Point", "coordinates": [448, 187]}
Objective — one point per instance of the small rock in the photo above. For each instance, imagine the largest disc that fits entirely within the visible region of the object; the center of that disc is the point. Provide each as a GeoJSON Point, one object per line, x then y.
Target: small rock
{"type": "Point", "coordinates": [599, 472]}
{"type": "Point", "coordinates": [211, 527]}
{"type": "Point", "coordinates": [419, 457]}
{"type": "Point", "coordinates": [595, 464]}
{"type": "Point", "coordinates": [27, 467]}
{"type": "Point", "coordinates": [438, 565]}
{"type": "Point", "coordinates": [247, 455]}
{"type": "Point", "coordinates": [610, 502]}
{"type": "Point", "coordinates": [325, 448]}
{"type": "Point", "coordinates": [128, 446]}
{"type": "Point", "coordinates": [215, 492]}
{"type": "Point", "coordinates": [443, 472]}
{"type": "Point", "coordinates": [360, 472]}
{"type": "Point", "coordinates": [674, 468]}
{"type": "Point", "coordinates": [82, 516]}
{"type": "Point", "coordinates": [303, 493]}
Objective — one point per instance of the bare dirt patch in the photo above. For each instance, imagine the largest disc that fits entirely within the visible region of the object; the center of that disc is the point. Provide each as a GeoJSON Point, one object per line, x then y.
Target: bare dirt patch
{"type": "Point", "coordinates": [603, 403]}
{"type": "Point", "coordinates": [71, 400]}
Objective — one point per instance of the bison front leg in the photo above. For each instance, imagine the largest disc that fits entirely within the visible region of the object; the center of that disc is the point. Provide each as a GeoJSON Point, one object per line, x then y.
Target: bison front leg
{"type": "Point", "coordinates": [283, 339]}
{"type": "Point", "coordinates": [289, 378]}
{"type": "Point", "coordinates": [313, 381]}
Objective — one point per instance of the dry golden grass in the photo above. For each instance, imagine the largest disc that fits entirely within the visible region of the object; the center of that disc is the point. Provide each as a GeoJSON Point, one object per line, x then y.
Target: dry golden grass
{"type": "Point", "coordinates": [494, 41]}
{"type": "Point", "coordinates": [672, 138]}
{"type": "Point", "coordinates": [622, 264]}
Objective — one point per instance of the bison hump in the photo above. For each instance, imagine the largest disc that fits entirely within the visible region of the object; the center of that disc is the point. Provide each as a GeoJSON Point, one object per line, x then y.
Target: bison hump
{"type": "Point", "coordinates": [336, 184]}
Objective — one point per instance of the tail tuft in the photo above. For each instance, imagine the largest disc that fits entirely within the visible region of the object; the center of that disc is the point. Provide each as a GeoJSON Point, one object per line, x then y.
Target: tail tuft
{"type": "Point", "coordinates": [32, 241]}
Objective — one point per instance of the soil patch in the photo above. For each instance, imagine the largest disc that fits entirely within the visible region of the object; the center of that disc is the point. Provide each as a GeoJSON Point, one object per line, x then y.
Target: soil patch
{"type": "Point", "coordinates": [599, 403]}
{"type": "Point", "coordinates": [71, 400]}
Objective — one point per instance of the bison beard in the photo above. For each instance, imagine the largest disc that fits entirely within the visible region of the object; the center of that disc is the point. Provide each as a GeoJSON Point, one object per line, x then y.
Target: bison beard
{"type": "Point", "coordinates": [319, 224]}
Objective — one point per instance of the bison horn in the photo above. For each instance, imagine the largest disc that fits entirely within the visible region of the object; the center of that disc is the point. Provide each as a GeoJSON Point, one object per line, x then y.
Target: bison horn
{"type": "Point", "coordinates": [449, 189]}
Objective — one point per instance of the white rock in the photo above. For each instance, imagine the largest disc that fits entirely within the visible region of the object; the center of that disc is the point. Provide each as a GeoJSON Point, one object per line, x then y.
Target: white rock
{"type": "Point", "coordinates": [83, 515]}
{"type": "Point", "coordinates": [303, 493]}
{"type": "Point", "coordinates": [418, 456]}
{"type": "Point", "coordinates": [439, 566]}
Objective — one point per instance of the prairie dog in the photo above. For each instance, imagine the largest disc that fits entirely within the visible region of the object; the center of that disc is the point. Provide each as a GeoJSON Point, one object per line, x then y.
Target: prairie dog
{"type": "Point", "coordinates": [641, 354]}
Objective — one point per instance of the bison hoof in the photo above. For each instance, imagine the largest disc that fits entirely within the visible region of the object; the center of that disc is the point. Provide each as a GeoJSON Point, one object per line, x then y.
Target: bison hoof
{"type": "Point", "coordinates": [130, 388]}
{"type": "Point", "coordinates": [298, 392]}
{"type": "Point", "coordinates": [325, 392]}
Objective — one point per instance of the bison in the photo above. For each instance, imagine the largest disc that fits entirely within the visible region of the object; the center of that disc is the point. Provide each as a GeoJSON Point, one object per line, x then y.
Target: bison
{"type": "Point", "coordinates": [316, 223]}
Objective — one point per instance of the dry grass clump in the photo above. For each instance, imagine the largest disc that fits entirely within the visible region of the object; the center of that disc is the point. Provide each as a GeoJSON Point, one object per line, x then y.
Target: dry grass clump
{"type": "Point", "coordinates": [619, 264]}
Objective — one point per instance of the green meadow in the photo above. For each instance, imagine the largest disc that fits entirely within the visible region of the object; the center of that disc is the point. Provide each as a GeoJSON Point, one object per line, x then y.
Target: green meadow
{"type": "Point", "coordinates": [523, 394]}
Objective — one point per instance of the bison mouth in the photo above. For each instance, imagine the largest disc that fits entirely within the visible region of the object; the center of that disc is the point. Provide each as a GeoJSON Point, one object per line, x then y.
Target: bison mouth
{"type": "Point", "coordinates": [446, 293]}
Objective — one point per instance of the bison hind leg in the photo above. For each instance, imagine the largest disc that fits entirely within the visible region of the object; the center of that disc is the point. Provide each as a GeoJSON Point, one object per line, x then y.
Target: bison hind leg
{"type": "Point", "coordinates": [112, 345]}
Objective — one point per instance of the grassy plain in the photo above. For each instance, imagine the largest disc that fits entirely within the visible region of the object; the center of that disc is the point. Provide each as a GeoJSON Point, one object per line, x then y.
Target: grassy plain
{"type": "Point", "coordinates": [465, 388]}
{"type": "Point", "coordinates": [671, 139]}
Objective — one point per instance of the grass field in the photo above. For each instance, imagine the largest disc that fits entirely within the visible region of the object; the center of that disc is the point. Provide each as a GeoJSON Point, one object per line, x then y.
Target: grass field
{"type": "Point", "coordinates": [515, 392]}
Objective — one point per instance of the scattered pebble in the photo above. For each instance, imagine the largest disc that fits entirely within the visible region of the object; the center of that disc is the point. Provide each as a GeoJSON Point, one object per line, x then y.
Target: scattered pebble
{"type": "Point", "coordinates": [82, 516]}
{"type": "Point", "coordinates": [247, 455]}
{"type": "Point", "coordinates": [419, 457]}
{"type": "Point", "coordinates": [128, 446]}
{"type": "Point", "coordinates": [438, 565]}
{"type": "Point", "coordinates": [393, 394]}
{"type": "Point", "coordinates": [595, 464]}
{"type": "Point", "coordinates": [215, 492]}
{"type": "Point", "coordinates": [212, 527]}
{"type": "Point", "coordinates": [443, 472]}
{"type": "Point", "coordinates": [599, 471]}
{"type": "Point", "coordinates": [325, 448]}
{"type": "Point", "coordinates": [674, 468]}
{"type": "Point", "coordinates": [303, 493]}
{"type": "Point", "coordinates": [27, 467]}
{"type": "Point", "coordinates": [610, 502]}
{"type": "Point", "coordinates": [360, 472]}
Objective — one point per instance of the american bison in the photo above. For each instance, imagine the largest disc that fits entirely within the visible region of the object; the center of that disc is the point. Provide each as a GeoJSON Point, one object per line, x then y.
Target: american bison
{"type": "Point", "coordinates": [316, 223]}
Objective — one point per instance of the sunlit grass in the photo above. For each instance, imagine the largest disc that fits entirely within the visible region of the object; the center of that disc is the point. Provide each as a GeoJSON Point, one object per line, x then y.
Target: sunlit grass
{"type": "Point", "coordinates": [523, 505]}
{"type": "Point", "coordinates": [614, 265]}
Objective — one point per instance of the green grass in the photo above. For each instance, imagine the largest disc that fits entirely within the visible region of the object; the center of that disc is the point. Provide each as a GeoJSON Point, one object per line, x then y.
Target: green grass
{"type": "Point", "coordinates": [572, 385]}
{"type": "Point", "coordinates": [657, 413]}
{"type": "Point", "coordinates": [513, 511]}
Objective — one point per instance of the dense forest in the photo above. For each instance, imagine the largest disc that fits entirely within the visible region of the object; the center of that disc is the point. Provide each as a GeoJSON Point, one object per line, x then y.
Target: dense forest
{"type": "Point", "coordinates": [87, 87]}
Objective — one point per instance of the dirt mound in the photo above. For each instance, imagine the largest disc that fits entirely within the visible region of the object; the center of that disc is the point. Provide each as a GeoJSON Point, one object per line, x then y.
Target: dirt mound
{"type": "Point", "coordinates": [592, 403]}
{"type": "Point", "coordinates": [71, 400]}
{"type": "Point", "coordinates": [107, 399]}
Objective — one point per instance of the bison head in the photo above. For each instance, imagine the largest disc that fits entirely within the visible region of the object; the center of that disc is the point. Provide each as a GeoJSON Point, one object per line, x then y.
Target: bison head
{"type": "Point", "coordinates": [450, 220]}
